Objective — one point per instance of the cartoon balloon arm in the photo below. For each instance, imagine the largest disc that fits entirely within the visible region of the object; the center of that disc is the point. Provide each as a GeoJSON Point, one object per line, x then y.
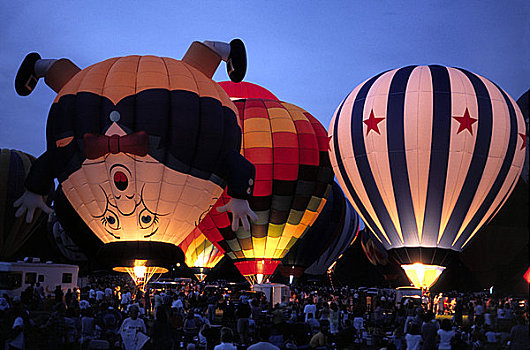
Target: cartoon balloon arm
{"type": "Point", "coordinates": [39, 183]}
{"type": "Point", "coordinates": [241, 174]}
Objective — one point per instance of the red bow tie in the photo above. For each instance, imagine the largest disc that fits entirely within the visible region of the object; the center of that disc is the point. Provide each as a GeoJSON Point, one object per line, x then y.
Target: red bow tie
{"type": "Point", "coordinates": [99, 145]}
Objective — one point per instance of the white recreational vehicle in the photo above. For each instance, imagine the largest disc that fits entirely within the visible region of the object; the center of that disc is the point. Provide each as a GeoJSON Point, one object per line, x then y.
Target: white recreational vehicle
{"type": "Point", "coordinates": [15, 277]}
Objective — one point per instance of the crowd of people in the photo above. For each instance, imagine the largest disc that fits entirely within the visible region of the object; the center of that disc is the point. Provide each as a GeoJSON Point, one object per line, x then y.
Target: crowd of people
{"type": "Point", "coordinates": [111, 313]}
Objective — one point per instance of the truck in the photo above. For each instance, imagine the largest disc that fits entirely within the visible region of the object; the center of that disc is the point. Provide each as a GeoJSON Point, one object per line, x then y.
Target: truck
{"type": "Point", "coordinates": [274, 292]}
{"type": "Point", "coordinates": [15, 277]}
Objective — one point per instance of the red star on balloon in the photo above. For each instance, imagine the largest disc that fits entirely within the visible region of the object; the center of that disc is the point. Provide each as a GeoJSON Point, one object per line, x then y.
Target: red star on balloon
{"type": "Point", "coordinates": [523, 136]}
{"type": "Point", "coordinates": [372, 122]}
{"type": "Point", "coordinates": [466, 122]}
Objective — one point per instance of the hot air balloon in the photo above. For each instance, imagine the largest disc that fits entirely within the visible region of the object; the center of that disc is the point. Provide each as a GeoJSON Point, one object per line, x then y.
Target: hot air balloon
{"type": "Point", "coordinates": [327, 230]}
{"type": "Point", "coordinates": [288, 147]}
{"type": "Point", "coordinates": [14, 232]}
{"type": "Point", "coordinates": [244, 89]}
{"type": "Point", "coordinates": [142, 147]}
{"type": "Point", "coordinates": [427, 155]}
{"type": "Point", "coordinates": [348, 233]}
{"type": "Point", "coordinates": [200, 253]}
{"type": "Point", "coordinates": [63, 242]}
{"type": "Point", "coordinates": [524, 103]}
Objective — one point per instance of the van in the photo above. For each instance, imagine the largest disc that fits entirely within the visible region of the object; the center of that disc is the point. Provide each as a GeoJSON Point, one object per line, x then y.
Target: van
{"type": "Point", "coordinates": [408, 292]}
{"type": "Point", "coordinates": [15, 277]}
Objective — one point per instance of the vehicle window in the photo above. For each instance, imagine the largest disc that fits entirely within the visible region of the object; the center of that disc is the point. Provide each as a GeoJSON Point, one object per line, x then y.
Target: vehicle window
{"type": "Point", "coordinates": [10, 280]}
{"type": "Point", "coordinates": [30, 278]}
{"type": "Point", "coordinates": [67, 278]}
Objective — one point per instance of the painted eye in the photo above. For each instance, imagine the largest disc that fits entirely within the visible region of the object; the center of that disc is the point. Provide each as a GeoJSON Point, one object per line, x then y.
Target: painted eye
{"type": "Point", "coordinates": [146, 219]}
{"type": "Point", "coordinates": [120, 181]}
{"type": "Point", "coordinates": [111, 220]}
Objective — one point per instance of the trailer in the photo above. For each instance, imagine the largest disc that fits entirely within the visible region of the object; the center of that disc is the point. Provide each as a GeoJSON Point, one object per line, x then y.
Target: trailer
{"type": "Point", "coordinates": [15, 277]}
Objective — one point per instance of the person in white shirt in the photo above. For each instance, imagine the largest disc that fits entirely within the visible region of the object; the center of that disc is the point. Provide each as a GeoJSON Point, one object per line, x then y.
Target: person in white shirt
{"type": "Point", "coordinates": [413, 337]}
{"type": "Point", "coordinates": [310, 308]}
{"type": "Point", "coordinates": [132, 330]}
{"type": "Point", "coordinates": [18, 340]}
{"type": "Point", "coordinates": [227, 338]}
{"type": "Point", "coordinates": [446, 333]}
{"type": "Point", "coordinates": [125, 299]}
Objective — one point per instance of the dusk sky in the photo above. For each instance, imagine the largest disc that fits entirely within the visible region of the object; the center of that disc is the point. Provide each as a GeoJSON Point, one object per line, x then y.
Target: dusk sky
{"type": "Point", "coordinates": [310, 53]}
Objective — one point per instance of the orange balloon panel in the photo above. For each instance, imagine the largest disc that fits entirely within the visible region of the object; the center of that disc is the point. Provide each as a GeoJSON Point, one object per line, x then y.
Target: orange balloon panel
{"type": "Point", "coordinates": [199, 251]}
{"type": "Point", "coordinates": [427, 154]}
{"type": "Point", "coordinates": [288, 147]}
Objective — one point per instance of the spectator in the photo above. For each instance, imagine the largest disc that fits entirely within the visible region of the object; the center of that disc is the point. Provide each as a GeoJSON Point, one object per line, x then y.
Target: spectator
{"type": "Point", "coordinates": [264, 343]}
{"type": "Point", "coordinates": [446, 333]}
{"type": "Point", "coordinates": [227, 340]}
{"type": "Point", "coordinates": [413, 337]}
{"type": "Point", "coordinates": [334, 316]}
{"type": "Point", "coordinates": [132, 331]}
{"type": "Point", "coordinates": [313, 323]}
{"type": "Point", "coordinates": [519, 338]}
{"type": "Point", "coordinates": [161, 336]}
{"type": "Point", "coordinates": [429, 331]}
{"type": "Point", "coordinates": [242, 315]}
{"type": "Point", "coordinates": [16, 337]}
{"type": "Point", "coordinates": [88, 328]}
{"type": "Point", "coordinates": [320, 339]}
{"type": "Point", "coordinates": [310, 308]}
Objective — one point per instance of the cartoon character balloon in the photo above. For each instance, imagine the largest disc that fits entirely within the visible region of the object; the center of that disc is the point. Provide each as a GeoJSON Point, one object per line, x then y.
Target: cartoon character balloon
{"type": "Point", "coordinates": [427, 154]}
{"type": "Point", "coordinates": [142, 145]}
{"type": "Point", "coordinates": [288, 147]}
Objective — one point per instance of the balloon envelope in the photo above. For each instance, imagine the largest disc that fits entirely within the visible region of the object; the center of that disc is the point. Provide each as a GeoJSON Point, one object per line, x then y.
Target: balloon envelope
{"type": "Point", "coordinates": [288, 147]}
{"type": "Point", "coordinates": [142, 147]}
{"type": "Point", "coordinates": [199, 251]}
{"type": "Point", "coordinates": [245, 89]}
{"type": "Point", "coordinates": [427, 155]}
{"type": "Point", "coordinates": [14, 167]}
{"type": "Point", "coordinates": [348, 234]}
{"type": "Point", "coordinates": [326, 231]}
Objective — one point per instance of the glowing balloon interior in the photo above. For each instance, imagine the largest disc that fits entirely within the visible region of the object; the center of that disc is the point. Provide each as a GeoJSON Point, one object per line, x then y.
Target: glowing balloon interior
{"type": "Point", "coordinates": [140, 273]}
{"type": "Point", "coordinates": [423, 276]}
{"type": "Point", "coordinates": [200, 253]}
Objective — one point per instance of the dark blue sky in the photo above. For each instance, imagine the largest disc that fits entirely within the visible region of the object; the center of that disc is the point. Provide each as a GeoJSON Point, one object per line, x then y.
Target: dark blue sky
{"type": "Point", "coordinates": [310, 53]}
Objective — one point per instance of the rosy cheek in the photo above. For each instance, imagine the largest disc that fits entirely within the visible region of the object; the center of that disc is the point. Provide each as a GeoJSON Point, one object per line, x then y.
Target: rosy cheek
{"type": "Point", "coordinates": [120, 181]}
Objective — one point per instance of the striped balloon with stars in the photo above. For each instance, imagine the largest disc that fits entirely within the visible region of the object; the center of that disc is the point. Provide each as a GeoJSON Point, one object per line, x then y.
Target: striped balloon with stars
{"type": "Point", "coordinates": [427, 155]}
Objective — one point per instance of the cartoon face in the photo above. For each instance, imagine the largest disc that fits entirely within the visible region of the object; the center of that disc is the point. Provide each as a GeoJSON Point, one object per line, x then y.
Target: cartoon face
{"type": "Point", "coordinates": [127, 197]}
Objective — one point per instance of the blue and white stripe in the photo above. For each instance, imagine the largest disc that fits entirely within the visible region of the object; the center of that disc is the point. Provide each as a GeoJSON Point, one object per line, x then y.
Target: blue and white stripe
{"type": "Point", "coordinates": [417, 181]}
